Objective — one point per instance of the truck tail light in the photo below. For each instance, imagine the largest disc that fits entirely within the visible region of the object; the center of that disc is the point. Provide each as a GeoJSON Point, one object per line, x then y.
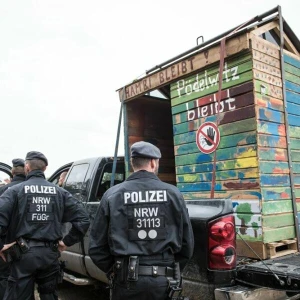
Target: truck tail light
{"type": "Point", "coordinates": [221, 243]}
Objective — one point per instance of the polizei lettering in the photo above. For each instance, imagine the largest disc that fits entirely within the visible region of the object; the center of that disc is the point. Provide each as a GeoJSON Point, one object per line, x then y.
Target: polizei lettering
{"type": "Point", "coordinates": [145, 197]}
{"type": "Point", "coordinates": [40, 189]}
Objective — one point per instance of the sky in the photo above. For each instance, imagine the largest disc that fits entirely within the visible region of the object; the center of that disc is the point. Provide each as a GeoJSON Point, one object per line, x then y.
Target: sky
{"type": "Point", "coordinates": [61, 62]}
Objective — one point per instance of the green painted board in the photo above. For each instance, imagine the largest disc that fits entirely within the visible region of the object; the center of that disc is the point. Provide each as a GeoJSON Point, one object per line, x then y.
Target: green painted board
{"type": "Point", "coordinates": [277, 234]}
{"type": "Point", "coordinates": [233, 164]}
{"type": "Point", "coordinates": [292, 69]}
{"type": "Point", "coordinates": [294, 132]}
{"type": "Point", "coordinates": [296, 167]}
{"type": "Point", "coordinates": [241, 139]}
{"type": "Point", "coordinates": [275, 193]}
{"type": "Point", "coordinates": [295, 155]}
{"type": "Point", "coordinates": [276, 207]}
{"type": "Point", "coordinates": [278, 220]}
{"type": "Point", "coordinates": [220, 175]}
{"type": "Point", "coordinates": [268, 89]}
{"type": "Point", "coordinates": [295, 144]}
{"type": "Point", "coordinates": [222, 154]}
{"type": "Point", "coordinates": [292, 78]}
{"type": "Point", "coordinates": [273, 167]}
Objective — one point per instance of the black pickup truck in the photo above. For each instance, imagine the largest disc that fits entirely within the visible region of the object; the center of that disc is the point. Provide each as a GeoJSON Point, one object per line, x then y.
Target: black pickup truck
{"type": "Point", "coordinates": [212, 272]}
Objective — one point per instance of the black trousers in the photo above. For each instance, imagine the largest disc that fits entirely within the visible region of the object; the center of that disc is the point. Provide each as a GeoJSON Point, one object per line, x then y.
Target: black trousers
{"type": "Point", "coordinates": [146, 288]}
{"type": "Point", "coordinates": [4, 273]}
{"type": "Point", "coordinates": [40, 264]}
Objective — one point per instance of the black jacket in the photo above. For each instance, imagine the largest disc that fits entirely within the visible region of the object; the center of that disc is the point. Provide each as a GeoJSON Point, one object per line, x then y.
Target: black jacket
{"type": "Point", "coordinates": [142, 216]}
{"type": "Point", "coordinates": [16, 180]}
{"type": "Point", "coordinates": [36, 209]}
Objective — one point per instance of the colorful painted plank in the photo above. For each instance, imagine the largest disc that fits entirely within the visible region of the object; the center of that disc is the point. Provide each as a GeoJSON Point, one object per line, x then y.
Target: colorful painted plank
{"type": "Point", "coordinates": [227, 117]}
{"type": "Point", "coordinates": [265, 88]}
{"type": "Point", "coordinates": [291, 69]}
{"type": "Point", "coordinates": [267, 68]}
{"type": "Point", "coordinates": [292, 78]}
{"type": "Point", "coordinates": [249, 234]}
{"type": "Point", "coordinates": [271, 128]}
{"type": "Point", "coordinates": [274, 180]}
{"type": "Point", "coordinates": [222, 154]}
{"type": "Point", "coordinates": [233, 164]}
{"type": "Point", "coordinates": [292, 61]}
{"type": "Point", "coordinates": [268, 102]}
{"type": "Point", "coordinates": [277, 154]}
{"type": "Point", "coordinates": [246, 206]}
{"type": "Point", "coordinates": [235, 140]}
{"type": "Point", "coordinates": [293, 97]}
{"type": "Point", "coordinates": [292, 87]}
{"type": "Point", "coordinates": [267, 59]}
{"type": "Point", "coordinates": [273, 141]}
{"type": "Point", "coordinates": [238, 184]}
{"type": "Point", "coordinates": [275, 207]}
{"type": "Point", "coordinates": [234, 195]}
{"type": "Point", "coordinates": [220, 175]}
{"type": "Point", "coordinates": [225, 129]}
{"type": "Point", "coordinates": [275, 193]}
{"type": "Point", "coordinates": [270, 115]}
{"type": "Point", "coordinates": [274, 167]}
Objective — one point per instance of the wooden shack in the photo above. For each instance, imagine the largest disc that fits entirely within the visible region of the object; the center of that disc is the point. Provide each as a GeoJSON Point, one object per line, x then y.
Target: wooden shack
{"type": "Point", "coordinates": [256, 112]}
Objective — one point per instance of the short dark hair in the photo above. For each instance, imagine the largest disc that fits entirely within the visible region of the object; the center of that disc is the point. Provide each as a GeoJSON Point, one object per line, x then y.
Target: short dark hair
{"type": "Point", "coordinates": [140, 162]}
{"type": "Point", "coordinates": [36, 164]}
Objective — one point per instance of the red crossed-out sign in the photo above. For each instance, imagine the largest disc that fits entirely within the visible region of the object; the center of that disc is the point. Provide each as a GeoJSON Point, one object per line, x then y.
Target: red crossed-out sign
{"type": "Point", "coordinates": [208, 137]}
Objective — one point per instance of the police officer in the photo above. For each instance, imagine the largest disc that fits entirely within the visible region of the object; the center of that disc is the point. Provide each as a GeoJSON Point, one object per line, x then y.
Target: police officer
{"type": "Point", "coordinates": [32, 212]}
{"type": "Point", "coordinates": [140, 230]}
{"type": "Point", "coordinates": [18, 174]}
{"type": "Point", "coordinates": [18, 177]}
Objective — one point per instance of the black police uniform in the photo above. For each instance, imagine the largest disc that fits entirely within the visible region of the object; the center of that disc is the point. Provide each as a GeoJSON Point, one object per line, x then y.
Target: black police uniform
{"type": "Point", "coordinates": [147, 218]}
{"type": "Point", "coordinates": [35, 210]}
{"type": "Point", "coordinates": [4, 267]}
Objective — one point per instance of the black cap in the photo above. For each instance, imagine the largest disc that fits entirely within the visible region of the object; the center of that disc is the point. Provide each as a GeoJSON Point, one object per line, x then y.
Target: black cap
{"type": "Point", "coordinates": [36, 155]}
{"type": "Point", "coordinates": [18, 162]}
{"type": "Point", "coordinates": [144, 149]}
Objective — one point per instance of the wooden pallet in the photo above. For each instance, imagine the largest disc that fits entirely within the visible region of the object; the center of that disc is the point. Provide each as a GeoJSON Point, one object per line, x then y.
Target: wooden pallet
{"type": "Point", "coordinates": [268, 250]}
{"type": "Point", "coordinates": [281, 248]}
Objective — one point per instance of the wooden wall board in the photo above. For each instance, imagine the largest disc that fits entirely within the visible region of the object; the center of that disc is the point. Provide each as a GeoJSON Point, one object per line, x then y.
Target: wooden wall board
{"type": "Point", "coordinates": [266, 68]}
{"type": "Point", "coordinates": [292, 78]}
{"type": "Point", "coordinates": [293, 109]}
{"type": "Point", "coordinates": [275, 180]}
{"type": "Point", "coordinates": [274, 167]}
{"type": "Point", "coordinates": [276, 193]}
{"type": "Point", "coordinates": [268, 102]}
{"type": "Point", "coordinates": [270, 115]}
{"type": "Point", "coordinates": [276, 154]}
{"type": "Point", "coordinates": [184, 67]}
{"type": "Point", "coordinates": [294, 120]}
{"type": "Point", "coordinates": [295, 155]}
{"type": "Point", "coordinates": [233, 164]}
{"type": "Point", "coordinates": [268, 78]}
{"type": "Point", "coordinates": [294, 132]}
{"type": "Point", "coordinates": [263, 46]}
{"type": "Point", "coordinates": [220, 175]}
{"type": "Point", "coordinates": [268, 89]}
{"type": "Point", "coordinates": [265, 58]}
{"type": "Point", "coordinates": [234, 184]}
{"type": "Point", "coordinates": [248, 206]}
{"type": "Point", "coordinates": [293, 88]}
{"type": "Point", "coordinates": [234, 195]}
{"type": "Point", "coordinates": [292, 96]}
{"type": "Point", "coordinates": [243, 250]}
{"type": "Point", "coordinates": [222, 154]}
{"type": "Point", "coordinates": [226, 117]}
{"type": "Point", "coordinates": [271, 128]}
{"type": "Point", "coordinates": [273, 141]}
{"type": "Point", "coordinates": [296, 167]}
{"type": "Point", "coordinates": [240, 139]}
{"type": "Point", "coordinates": [209, 106]}
{"type": "Point", "coordinates": [292, 70]}
{"type": "Point", "coordinates": [292, 61]}
{"type": "Point", "coordinates": [278, 220]}
{"type": "Point", "coordinates": [277, 234]}
{"type": "Point", "coordinates": [276, 207]}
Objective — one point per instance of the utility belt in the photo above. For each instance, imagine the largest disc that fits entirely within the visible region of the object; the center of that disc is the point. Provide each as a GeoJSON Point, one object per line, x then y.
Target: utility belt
{"type": "Point", "coordinates": [128, 269]}
{"type": "Point", "coordinates": [23, 245]}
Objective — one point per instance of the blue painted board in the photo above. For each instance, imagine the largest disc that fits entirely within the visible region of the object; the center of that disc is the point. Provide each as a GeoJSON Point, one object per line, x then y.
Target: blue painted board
{"type": "Point", "coordinates": [292, 86]}
{"type": "Point", "coordinates": [293, 109]}
{"type": "Point", "coordinates": [294, 120]}
{"type": "Point", "coordinates": [292, 97]}
{"type": "Point", "coordinates": [292, 61]}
